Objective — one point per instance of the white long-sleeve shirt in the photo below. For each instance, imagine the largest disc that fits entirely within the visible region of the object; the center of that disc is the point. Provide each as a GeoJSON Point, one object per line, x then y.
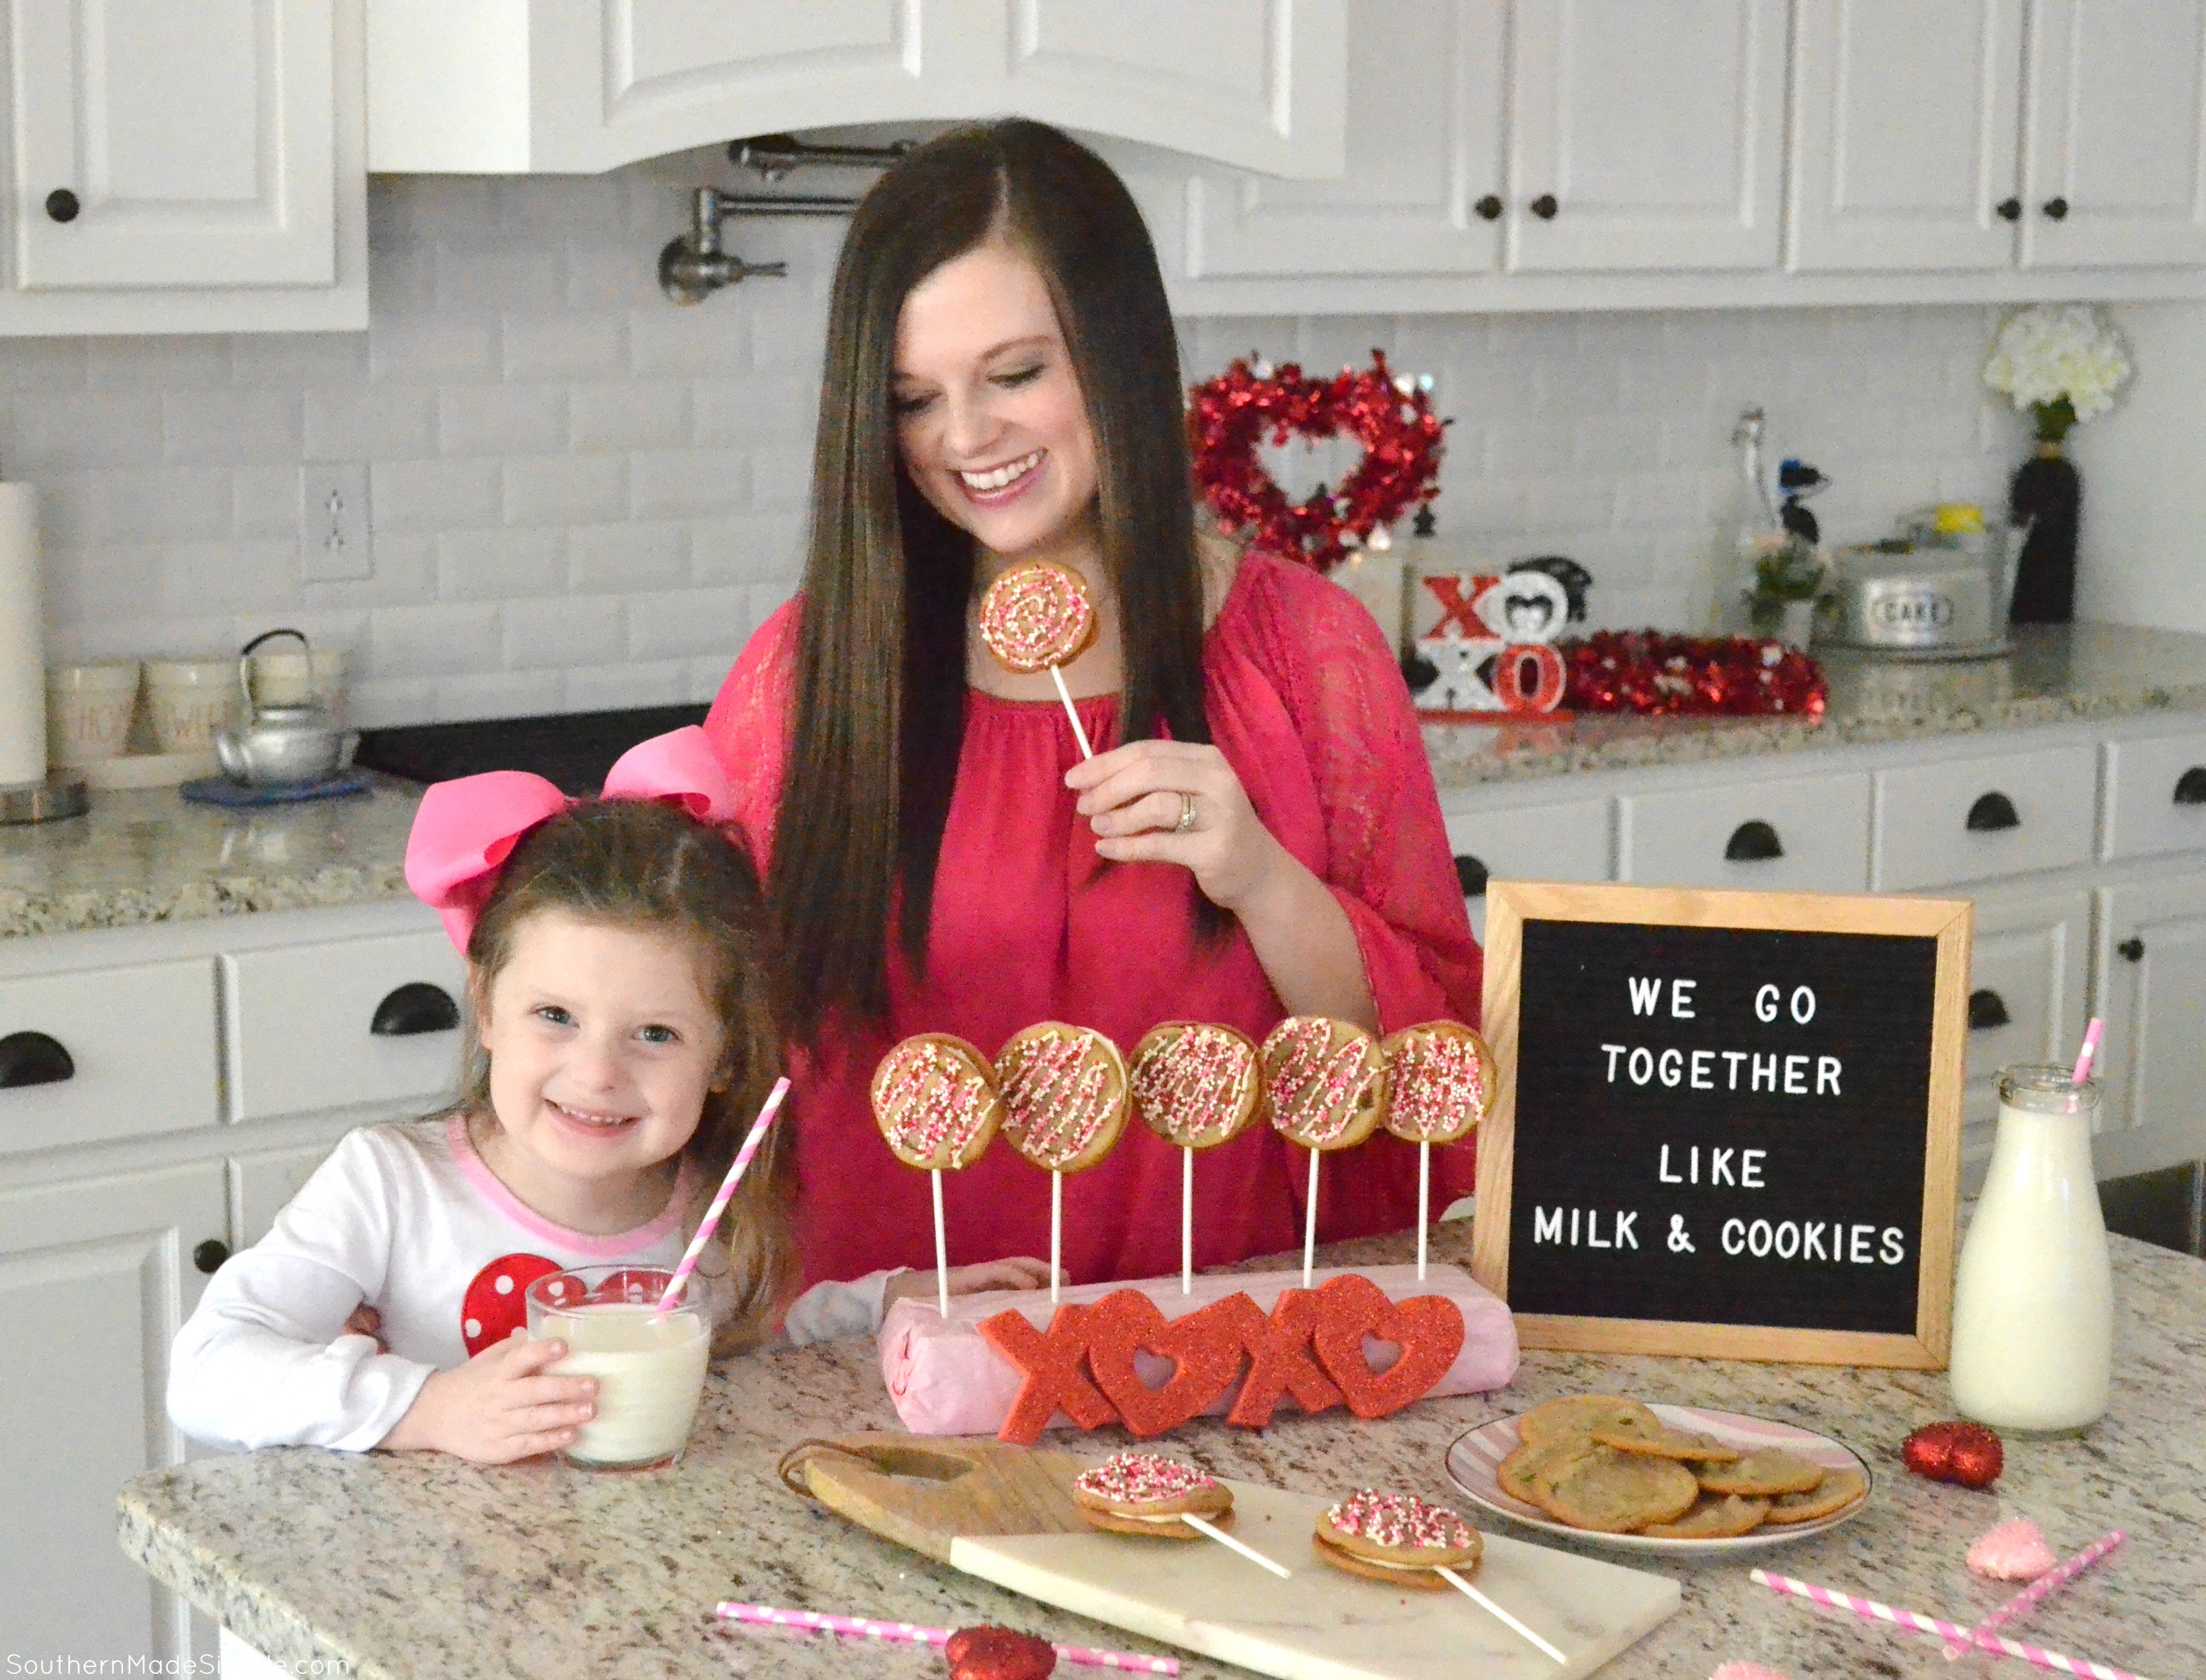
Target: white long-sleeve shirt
{"type": "Point", "coordinates": [405, 1219]}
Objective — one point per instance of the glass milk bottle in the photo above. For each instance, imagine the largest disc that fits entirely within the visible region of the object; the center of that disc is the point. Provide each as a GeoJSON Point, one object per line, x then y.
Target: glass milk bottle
{"type": "Point", "coordinates": [2033, 1296]}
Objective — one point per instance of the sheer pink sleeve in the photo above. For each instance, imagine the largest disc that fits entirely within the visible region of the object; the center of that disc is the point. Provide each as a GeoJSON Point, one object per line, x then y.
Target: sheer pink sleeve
{"type": "Point", "coordinates": [748, 725]}
{"type": "Point", "coordinates": [1387, 861]}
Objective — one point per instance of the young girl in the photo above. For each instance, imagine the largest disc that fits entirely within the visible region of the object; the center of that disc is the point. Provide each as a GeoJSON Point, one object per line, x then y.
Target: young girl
{"type": "Point", "coordinates": [621, 1042]}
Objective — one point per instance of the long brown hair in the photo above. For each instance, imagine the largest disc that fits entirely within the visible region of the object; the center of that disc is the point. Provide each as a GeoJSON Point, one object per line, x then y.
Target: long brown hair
{"type": "Point", "coordinates": [880, 683]}
{"type": "Point", "coordinates": [635, 864]}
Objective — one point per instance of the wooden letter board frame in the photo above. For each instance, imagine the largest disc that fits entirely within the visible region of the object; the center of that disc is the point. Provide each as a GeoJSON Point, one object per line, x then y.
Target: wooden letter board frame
{"type": "Point", "coordinates": [1510, 904]}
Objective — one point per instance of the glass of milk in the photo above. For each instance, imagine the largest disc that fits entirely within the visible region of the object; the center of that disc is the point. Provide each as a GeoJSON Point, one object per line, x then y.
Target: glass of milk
{"type": "Point", "coordinates": [2033, 1296]}
{"type": "Point", "coordinates": [650, 1365]}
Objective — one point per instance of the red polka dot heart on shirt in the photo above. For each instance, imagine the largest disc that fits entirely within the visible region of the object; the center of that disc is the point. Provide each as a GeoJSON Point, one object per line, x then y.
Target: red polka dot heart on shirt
{"type": "Point", "coordinates": [494, 1306]}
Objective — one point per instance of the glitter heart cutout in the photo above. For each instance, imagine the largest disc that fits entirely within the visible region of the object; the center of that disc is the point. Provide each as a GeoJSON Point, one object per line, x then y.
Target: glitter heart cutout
{"type": "Point", "coordinates": [1204, 1347]}
{"type": "Point", "coordinates": [1429, 1330]}
{"type": "Point", "coordinates": [991, 1652]}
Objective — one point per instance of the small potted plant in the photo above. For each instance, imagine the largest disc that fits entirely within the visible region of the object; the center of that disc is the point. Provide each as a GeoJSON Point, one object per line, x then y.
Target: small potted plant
{"type": "Point", "coordinates": [1787, 578]}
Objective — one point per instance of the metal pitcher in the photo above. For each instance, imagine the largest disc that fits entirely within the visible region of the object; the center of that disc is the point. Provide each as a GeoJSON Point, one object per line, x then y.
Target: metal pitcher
{"type": "Point", "coordinates": [278, 747]}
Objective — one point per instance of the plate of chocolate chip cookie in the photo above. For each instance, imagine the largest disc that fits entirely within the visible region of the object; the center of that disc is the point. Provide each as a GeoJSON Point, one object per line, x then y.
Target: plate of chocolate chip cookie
{"type": "Point", "coordinates": [1615, 1471]}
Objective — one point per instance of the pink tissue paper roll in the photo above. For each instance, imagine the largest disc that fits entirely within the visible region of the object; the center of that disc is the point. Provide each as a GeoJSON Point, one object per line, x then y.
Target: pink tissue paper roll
{"type": "Point", "coordinates": [944, 1379]}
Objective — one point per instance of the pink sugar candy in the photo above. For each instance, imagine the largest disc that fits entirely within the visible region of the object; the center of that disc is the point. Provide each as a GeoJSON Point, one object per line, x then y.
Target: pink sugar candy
{"type": "Point", "coordinates": [1747, 1672]}
{"type": "Point", "coordinates": [2013, 1551]}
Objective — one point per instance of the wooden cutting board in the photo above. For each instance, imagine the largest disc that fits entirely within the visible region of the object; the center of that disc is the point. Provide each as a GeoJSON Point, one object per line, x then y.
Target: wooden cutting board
{"type": "Point", "coordinates": [1005, 1514]}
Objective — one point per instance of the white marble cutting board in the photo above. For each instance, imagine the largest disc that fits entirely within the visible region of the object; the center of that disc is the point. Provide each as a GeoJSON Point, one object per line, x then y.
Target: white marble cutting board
{"type": "Point", "coordinates": [1323, 1624]}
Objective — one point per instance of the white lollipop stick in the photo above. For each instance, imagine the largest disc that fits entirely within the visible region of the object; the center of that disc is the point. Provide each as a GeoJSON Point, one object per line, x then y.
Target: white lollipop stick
{"type": "Point", "coordinates": [1065, 694]}
{"type": "Point", "coordinates": [1056, 1231]}
{"type": "Point", "coordinates": [1495, 1611]}
{"type": "Point", "coordinates": [1232, 1545]}
{"type": "Point", "coordinates": [1309, 1224]}
{"type": "Point", "coordinates": [941, 1248]}
{"type": "Point", "coordinates": [1187, 1222]}
{"type": "Point", "coordinates": [1424, 1202]}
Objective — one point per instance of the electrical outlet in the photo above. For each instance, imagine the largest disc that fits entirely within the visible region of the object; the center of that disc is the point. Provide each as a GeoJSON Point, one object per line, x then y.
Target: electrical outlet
{"type": "Point", "coordinates": [334, 545]}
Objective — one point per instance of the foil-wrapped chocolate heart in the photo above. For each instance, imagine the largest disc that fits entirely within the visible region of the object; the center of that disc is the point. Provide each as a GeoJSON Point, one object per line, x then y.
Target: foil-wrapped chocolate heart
{"type": "Point", "coordinates": [1965, 1452]}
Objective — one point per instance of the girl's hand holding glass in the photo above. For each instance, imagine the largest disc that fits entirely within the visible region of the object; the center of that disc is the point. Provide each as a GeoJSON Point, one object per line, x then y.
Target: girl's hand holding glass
{"type": "Point", "coordinates": [498, 1407]}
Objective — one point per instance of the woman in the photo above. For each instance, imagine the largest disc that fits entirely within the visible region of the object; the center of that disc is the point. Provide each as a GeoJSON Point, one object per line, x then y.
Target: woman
{"type": "Point", "coordinates": [1002, 384]}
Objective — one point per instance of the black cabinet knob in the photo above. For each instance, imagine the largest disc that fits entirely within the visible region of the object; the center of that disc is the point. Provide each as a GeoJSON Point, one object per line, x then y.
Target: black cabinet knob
{"type": "Point", "coordinates": [1488, 208]}
{"type": "Point", "coordinates": [1986, 1010]}
{"type": "Point", "coordinates": [1470, 876]}
{"type": "Point", "coordinates": [1545, 206]}
{"type": "Point", "coordinates": [2056, 209]}
{"type": "Point", "coordinates": [209, 1255]}
{"type": "Point", "coordinates": [416, 1007]}
{"type": "Point", "coordinates": [33, 1058]}
{"type": "Point", "coordinates": [2010, 210]}
{"type": "Point", "coordinates": [1991, 813]}
{"type": "Point", "coordinates": [1753, 842]}
{"type": "Point", "coordinates": [2191, 787]}
{"type": "Point", "coordinates": [2132, 949]}
{"type": "Point", "coordinates": [62, 204]}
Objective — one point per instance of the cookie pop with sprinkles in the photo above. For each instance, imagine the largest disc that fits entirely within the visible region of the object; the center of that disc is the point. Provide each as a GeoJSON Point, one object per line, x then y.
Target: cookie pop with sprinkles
{"type": "Point", "coordinates": [1197, 1086]}
{"type": "Point", "coordinates": [1326, 1084]}
{"type": "Point", "coordinates": [935, 1100]}
{"type": "Point", "coordinates": [1064, 1093]}
{"type": "Point", "coordinates": [1146, 1493]}
{"type": "Point", "coordinates": [1440, 1084]}
{"type": "Point", "coordinates": [1402, 1540]}
{"type": "Point", "coordinates": [1039, 616]}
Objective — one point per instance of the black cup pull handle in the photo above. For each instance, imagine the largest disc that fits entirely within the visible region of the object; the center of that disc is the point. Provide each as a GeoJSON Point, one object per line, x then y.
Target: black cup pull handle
{"type": "Point", "coordinates": [1753, 842]}
{"type": "Point", "coordinates": [1986, 1010]}
{"type": "Point", "coordinates": [1470, 876]}
{"type": "Point", "coordinates": [2191, 787]}
{"type": "Point", "coordinates": [1991, 813]}
{"type": "Point", "coordinates": [416, 1007]}
{"type": "Point", "coordinates": [33, 1058]}
{"type": "Point", "coordinates": [2130, 949]}
{"type": "Point", "coordinates": [209, 1255]}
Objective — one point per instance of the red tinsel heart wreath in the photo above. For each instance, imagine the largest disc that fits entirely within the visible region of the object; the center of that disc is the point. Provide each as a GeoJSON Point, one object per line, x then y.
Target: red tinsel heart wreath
{"type": "Point", "coordinates": [1230, 416]}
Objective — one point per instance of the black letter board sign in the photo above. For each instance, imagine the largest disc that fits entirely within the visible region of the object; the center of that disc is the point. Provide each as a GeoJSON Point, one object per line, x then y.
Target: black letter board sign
{"type": "Point", "coordinates": [1728, 1123]}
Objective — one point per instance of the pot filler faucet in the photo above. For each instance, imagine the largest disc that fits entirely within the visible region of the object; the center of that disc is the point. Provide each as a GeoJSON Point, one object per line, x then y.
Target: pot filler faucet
{"type": "Point", "coordinates": [696, 264]}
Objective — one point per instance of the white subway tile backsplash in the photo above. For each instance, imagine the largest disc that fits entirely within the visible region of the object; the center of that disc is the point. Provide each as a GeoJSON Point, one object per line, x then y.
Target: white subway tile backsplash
{"type": "Point", "coordinates": [583, 496]}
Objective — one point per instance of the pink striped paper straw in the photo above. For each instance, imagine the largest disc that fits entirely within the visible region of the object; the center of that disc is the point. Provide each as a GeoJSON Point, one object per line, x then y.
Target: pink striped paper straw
{"type": "Point", "coordinates": [1949, 1630]}
{"type": "Point", "coordinates": [727, 1189]}
{"type": "Point", "coordinates": [2090, 1049]}
{"type": "Point", "coordinates": [910, 1633]}
{"type": "Point", "coordinates": [2055, 1578]}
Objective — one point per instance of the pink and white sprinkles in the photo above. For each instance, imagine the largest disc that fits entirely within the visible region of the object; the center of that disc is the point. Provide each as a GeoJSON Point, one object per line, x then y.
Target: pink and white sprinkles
{"type": "Point", "coordinates": [1440, 1088]}
{"type": "Point", "coordinates": [2013, 1551]}
{"type": "Point", "coordinates": [1141, 1479]}
{"type": "Point", "coordinates": [1316, 1090]}
{"type": "Point", "coordinates": [1036, 615]}
{"type": "Point", "coordinates": [1399, 1521]}
{"type": "Point", "coordinates": [1191, 1087]}
{"type": "Point", "coordinates": [930, 1101]}
{"type": "Point", "coordinates": [1057, 1099]}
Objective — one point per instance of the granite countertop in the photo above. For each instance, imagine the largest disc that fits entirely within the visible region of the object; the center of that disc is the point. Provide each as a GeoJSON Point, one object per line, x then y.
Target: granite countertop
{"type": "Point", "coordinates": [149, 856]}
{"type": "Point", "coordinates": [2073, 673]}
{"type": "Point", "coordinates": [422, 1566]}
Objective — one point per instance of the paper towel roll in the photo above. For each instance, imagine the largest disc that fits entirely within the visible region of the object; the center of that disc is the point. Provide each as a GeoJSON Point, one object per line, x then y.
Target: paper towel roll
{"type": "Point", "coordinates": [23, 641]}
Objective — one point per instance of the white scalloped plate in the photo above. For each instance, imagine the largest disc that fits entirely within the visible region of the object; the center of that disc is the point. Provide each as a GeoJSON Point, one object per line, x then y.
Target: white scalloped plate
{"type": "Point", "coordinates": [1474, 1456]}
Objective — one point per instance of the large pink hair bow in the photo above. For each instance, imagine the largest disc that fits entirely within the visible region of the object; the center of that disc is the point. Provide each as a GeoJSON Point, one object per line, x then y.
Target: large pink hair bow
{"type": "Point", "coordinates": [465, 828]}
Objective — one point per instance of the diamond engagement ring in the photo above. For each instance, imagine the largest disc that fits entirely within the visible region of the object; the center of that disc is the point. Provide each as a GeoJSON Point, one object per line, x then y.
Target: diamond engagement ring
{"type": "Point", "coordinates": [1186, 822]}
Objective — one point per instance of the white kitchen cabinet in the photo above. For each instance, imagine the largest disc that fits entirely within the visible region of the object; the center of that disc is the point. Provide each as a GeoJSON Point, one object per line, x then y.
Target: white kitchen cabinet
{"type": "Point", "coordinates": [2150, 967]}
{"type": "Point", "coordinates": [107, 1052]}
{"type": "Point", "coordinates": [2117, 141]}
{"type": "Point", "coordinates": [2029, 969]}
{"type": "Point", "coordinates": [1645, 137]}
{"type": "Point", "coordinates": [1806, 834]}
{"type": "Point", "coordinates": [96, 1277]}
{"type": "Point", "coordinates": [1905, 119]}
{"type": "Point", "coordinates": [192, 167]}
{"type": "Point", "coordinates": [572, 85]}
{"type": "Point", "coordinates": [1562, 840]}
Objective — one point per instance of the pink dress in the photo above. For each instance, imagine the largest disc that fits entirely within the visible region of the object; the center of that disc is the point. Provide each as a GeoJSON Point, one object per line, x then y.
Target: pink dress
{"type": "Point", "coordinates": [1030, 924]}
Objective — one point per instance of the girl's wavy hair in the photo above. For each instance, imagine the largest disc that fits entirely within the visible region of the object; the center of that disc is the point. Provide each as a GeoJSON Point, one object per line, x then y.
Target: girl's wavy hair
{"type": "Point", "coordinates": [639, 864]}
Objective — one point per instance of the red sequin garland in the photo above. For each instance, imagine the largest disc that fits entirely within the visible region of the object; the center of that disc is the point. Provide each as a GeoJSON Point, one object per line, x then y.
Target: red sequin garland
{"type": "Point", "coordinates": [1229, 416]}
{"type": "Point", "coordinates": [1657, 675]}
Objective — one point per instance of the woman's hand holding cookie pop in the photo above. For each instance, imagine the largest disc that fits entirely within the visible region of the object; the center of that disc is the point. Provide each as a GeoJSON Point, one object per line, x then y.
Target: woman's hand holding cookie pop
{"type": "Point", "coordinates": [1137, 798]}
{"type": "Point", "coordinates": [498, 1407]}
